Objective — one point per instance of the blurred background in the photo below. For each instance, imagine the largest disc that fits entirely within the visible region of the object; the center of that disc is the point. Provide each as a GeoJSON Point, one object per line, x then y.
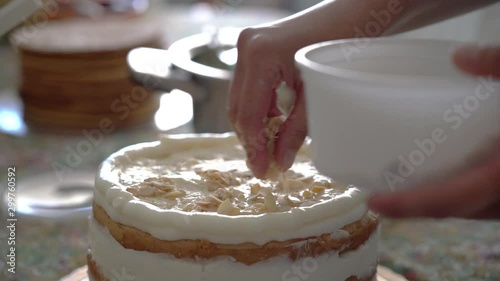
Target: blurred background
{"type": "Point", "coordinates": [81, 79]}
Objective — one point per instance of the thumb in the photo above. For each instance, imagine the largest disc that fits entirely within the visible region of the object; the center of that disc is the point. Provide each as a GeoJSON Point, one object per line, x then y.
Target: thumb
{"type": "Point", "coordinates": [478, 60]}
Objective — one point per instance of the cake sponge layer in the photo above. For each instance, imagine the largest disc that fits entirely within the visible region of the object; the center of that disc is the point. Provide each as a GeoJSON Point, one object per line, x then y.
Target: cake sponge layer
{"type": "Point", "coordinates": [348, 238]}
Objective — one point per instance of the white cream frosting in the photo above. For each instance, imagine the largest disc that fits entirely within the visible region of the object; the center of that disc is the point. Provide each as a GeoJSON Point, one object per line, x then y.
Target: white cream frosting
{"type": "Point", "coordinates": [134, 164]}
{"type": "Point", "coordinates": [82, 35]}
{"type": "Point", "coordinates": [114, 262]}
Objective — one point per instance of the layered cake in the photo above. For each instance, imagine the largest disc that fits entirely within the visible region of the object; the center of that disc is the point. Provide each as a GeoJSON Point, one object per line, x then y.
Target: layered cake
{"type": "Point", "coordinates": [74, 72]}
{"type": "Point", "coordinates": [187, 208]}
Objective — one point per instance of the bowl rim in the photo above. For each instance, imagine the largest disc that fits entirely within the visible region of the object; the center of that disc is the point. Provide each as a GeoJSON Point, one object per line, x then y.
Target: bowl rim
{"type": "Point", "coordinates": [305, 63]}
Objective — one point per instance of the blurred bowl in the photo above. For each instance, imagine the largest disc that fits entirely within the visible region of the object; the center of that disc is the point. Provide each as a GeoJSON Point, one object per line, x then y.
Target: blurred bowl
{"type": "Point", "coordinates": [392, 113]}
{"type": "Point", "coordinates": [193, 65]}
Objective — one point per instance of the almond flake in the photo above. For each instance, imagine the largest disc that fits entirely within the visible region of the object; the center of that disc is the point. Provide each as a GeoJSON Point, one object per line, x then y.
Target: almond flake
{"type": "Point", "coordinates": [175, 194]}
{"type": "Point", "coordinates": [254, 188]}
{"type": "Point", "coordinates": [214, 199]}
{"type": "Point", "coordinates": [307, 194]}
{"type": "Point", "coordinates": [222, 194]}
{"type": "Point", "coordinates": [281, 199]}
{"type": "Point", "coordinates": [221, 178]}
{"type": "Point", "coordinates": [237, 194]}
{"type": "Point", "coordinates": [212, 187]}
{"type": "Point", "coordinates": [324, 183]}
{"type": "Point", "coordinates": [227, 208]}
{"type": "Point", "coordinates": [133, 190]}
{"type": "Point", "coordinates": [295, 184]}
{"type": "Point", "coordinates": [306, 180]}
{"type": "Point", "coordinates": [270, 202]}
{"type": "Point", "coordinates": [317, 189]}
{"type": "Point", "coordinates": [258, 208]}
{"type": "Point", "coordinates": [189, 207]}
{"type": "Point", "coordinates": [293, 201]}
{"type": "Point", "coordinates": [158, 180]}
{"type": "Point", "coordinates": [147, 191]}
{"type": "Point", "coordinates": [255, 197]}
{"type": "Point", "coordinates": [205, 206]}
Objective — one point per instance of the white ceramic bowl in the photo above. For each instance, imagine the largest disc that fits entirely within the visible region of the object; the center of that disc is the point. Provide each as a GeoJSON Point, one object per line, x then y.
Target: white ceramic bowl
{"type": "Point", "coordinates": [391, 113]}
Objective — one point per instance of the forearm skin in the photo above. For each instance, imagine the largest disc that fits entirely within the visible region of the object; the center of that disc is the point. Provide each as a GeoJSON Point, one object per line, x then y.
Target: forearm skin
{"type": "Point", "coordinates": [330, 20]}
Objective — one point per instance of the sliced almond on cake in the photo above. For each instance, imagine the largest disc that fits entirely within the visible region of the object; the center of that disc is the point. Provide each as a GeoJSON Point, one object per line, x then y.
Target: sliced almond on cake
{"type": "Point", "coordinates": [227, 208]}
{"type": "Point", "coordinates": [270, 202]}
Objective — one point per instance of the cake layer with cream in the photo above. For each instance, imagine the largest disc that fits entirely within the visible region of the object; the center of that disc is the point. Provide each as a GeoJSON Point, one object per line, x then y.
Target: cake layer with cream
{"type": "Point", "coordinates": [190, 204]}
{"type": "Point", "coordinates": [109, 260]}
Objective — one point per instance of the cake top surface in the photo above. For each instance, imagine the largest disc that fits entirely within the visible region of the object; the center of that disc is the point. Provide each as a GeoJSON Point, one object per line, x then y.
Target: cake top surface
{"type": "Point", "coordinates": [83, 35]}
{"type": "Point", "coordinates": [189, 183]}
{"type": "Point", "coordinates": [218, 180]}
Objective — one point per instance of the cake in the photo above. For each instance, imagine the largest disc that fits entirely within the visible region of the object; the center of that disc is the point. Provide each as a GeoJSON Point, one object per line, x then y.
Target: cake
{"type": "Point", "coordinates": [74, 72]}
{"type": "Point", "coordinates": [186, 207]}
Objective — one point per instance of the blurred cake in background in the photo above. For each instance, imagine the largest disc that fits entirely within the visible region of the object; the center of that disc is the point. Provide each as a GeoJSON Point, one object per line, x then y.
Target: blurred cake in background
{"type": "Point", "coordinates": [74, 72]}
{"type": "Point", "coordinates": [93, 8]}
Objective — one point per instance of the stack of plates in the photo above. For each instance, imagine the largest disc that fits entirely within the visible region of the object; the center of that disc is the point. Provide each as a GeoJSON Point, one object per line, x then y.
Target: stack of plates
{"type": "Point", "coordinates": [74, 73]}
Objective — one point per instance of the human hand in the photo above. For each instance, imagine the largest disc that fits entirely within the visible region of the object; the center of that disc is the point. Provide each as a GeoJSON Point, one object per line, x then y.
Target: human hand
{"type": "Point", "coordinates": [474, 194]}
{"type": "Point", "coordinates": [265, 60]}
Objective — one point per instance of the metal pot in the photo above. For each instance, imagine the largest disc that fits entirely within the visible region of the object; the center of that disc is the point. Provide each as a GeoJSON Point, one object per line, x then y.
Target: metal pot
{"type": "Point", "coordinates": [200, 65]}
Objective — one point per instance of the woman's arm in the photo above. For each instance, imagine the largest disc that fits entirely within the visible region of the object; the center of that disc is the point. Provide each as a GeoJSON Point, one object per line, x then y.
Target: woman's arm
{"type": "Point", "coordinates": [266, 58]}
{"type": "Point", "coordinates": [338, 19]}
